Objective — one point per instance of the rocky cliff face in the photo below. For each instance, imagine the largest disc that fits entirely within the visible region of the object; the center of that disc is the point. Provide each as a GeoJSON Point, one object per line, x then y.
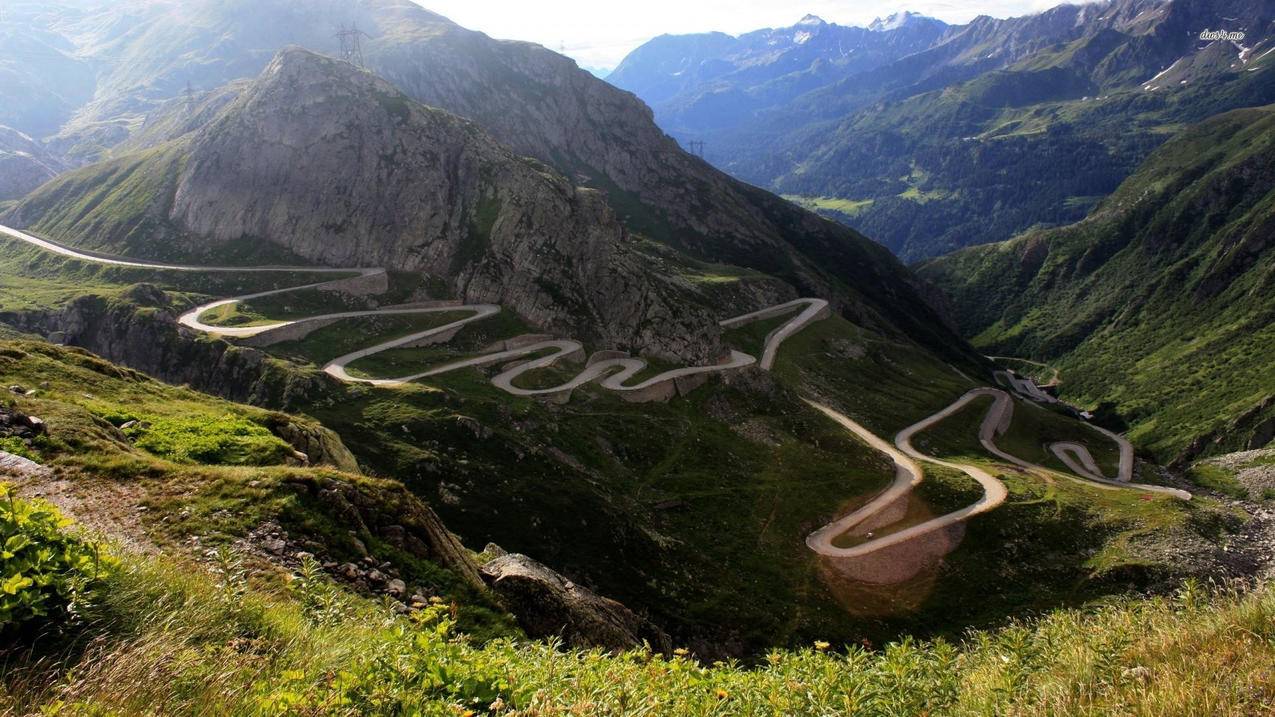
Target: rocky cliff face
{"type": "Point", "coordinates": [24, 164]}
{"type": "Point", "coordinates": [335, 166]}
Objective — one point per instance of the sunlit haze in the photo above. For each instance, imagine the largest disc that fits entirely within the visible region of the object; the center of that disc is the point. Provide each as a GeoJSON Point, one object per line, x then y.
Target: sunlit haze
{"type": "Point", "coordinates": [600, 34]}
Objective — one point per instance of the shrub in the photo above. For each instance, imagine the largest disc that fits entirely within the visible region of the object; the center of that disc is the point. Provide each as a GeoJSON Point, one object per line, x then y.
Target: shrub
{"type": "Point", "coordinates": [18, 447]}
{"type": "Point", "coordinates": [43, 569]}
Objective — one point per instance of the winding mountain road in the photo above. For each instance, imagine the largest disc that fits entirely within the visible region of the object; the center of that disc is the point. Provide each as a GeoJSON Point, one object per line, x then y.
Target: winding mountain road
{"type": "Point", "coordinates": [613, 372]}
{"type": "Point", "coordinates": [909, 475]}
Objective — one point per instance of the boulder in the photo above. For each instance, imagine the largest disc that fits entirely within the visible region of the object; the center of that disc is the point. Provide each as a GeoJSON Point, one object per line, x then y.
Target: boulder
{"type": "Point", "coordinates": [547, 604]}
{"type": "Point", "coordinates": [396, 588]}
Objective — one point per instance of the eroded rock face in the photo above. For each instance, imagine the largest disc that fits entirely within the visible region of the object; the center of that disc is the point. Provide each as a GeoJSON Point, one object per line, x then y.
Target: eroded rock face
{"type": "Point", "coordinates": [548, 605]}
{"type": "Point", "coordinates": [24, 164]}
{"type": "Point", "coordinates": [338, 167]}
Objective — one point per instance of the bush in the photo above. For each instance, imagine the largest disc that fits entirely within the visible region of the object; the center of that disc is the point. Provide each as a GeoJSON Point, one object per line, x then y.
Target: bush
{"type": "Point", "coordinates": [18, 447]}
{"type": "Point", "coordinates": [43, 569]}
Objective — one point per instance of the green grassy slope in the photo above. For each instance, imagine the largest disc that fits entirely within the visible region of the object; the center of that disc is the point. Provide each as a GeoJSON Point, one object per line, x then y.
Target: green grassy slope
{"type": "Point", "coordinates": [220, 635]}
{"type": "Point", "coordinates": [163, 632]}
{"type": "Point", "coordinates": [167, 469]}
{"type": "Point", "coordinates": [1162, 301]}
{"type": "Point", "coordinates": [694, 511]}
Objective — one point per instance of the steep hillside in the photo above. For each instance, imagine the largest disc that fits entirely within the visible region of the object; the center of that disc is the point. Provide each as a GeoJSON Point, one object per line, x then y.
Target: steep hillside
{"type": "Point", "coordinates": [24, 164]}
{"type": "Point", "coordinates": [319, 161]}
{"type": "Point", "coordinates": [1162, 301]}
{"type": "Point", "coordinates": [999, 125]}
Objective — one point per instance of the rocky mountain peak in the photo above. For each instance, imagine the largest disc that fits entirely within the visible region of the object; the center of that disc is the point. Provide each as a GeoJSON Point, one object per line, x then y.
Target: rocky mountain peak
{"type": "Point", "coordinates": [895, 21]}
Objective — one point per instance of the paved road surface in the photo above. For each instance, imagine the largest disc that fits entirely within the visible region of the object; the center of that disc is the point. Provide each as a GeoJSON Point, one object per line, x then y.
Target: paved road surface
{"type": "Point", "coordinates": [611, 373]}
{"type": "Point", "coordinates": [614, 373]}
{"type": "Point", "coordinates": [908, 475]}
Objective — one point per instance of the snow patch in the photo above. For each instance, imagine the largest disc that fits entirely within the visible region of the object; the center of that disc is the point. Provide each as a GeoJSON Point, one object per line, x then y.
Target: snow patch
{"type": "Point", "coordinates": [893, 22]}
{"type": "Point", "coordinates": [1163, 72]}
{"type": "Point", "coordinates": [802, 37]}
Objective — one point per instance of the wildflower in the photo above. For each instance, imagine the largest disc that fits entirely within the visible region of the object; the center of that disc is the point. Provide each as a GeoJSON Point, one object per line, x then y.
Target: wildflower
{"type": "Point", "coordinates": [681, 652]}
{"type": "Point", "coordinates": [821, 646]}
{"type": "Point", "coordinates": [722, 694]}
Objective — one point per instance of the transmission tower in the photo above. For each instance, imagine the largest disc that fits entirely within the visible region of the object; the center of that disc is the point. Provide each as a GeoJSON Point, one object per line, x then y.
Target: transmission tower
{"type": "Point", "coordinates": [352, 44]}
{"type": "Point", "coordinates": [697, 148]}
{"type": "Point", "coordinates": [190, 97]}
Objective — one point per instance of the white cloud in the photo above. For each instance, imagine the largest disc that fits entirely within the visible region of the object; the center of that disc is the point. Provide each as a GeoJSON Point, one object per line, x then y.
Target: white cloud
{"type": "Point", "coordinates": [600, 34]}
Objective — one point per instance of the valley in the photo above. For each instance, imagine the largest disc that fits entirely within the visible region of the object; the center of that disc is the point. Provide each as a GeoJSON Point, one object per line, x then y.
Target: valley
{"type": "Point", "coordinates": [355, 361]}
{"type": "Point", "coordinates": [780, 329]}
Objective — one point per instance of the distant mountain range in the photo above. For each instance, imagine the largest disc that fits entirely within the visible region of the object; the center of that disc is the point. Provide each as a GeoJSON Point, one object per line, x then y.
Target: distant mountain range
{"type": "Point", "coordinates": [930, 137]}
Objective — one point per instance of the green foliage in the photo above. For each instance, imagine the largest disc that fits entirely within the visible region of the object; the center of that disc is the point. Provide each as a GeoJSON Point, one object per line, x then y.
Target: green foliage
{"type": "Point", "coordinates": [169, 635]}
{"type": "Point", "coordinates": [44, 571]}
{"type": "Point", "coordinates": [1161, 302]}
{"type": "Point", "coordinates": [212, 440]}
{"type": "Point", "coordinates": [421, 668]}
{"type": "Point", "coordinates": [1218, 479]}
{"type": "Point", "coordinates": [832, 205]}
{"type": "Point", "coordinates": [18, 447]}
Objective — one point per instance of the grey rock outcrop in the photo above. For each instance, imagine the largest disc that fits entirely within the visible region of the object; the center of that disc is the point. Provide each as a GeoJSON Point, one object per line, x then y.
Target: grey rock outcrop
{"type": "Point", "coordinates": [548, 605]}
{"type": "Point", "coordinates": [342, 169]}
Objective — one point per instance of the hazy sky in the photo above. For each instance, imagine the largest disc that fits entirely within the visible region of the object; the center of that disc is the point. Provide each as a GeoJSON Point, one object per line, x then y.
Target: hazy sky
{"type": "Point", "coordinates": [600, 34]}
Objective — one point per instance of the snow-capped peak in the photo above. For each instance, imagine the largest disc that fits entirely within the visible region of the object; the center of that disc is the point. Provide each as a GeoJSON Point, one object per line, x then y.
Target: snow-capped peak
{"type": "Point", "coordinates": [893, 22]}
{"type": "Point", "coordinates": [811, 20]}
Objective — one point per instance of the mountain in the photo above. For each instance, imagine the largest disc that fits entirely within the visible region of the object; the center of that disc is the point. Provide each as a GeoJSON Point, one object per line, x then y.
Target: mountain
{"type": "Point", "coordinates": [24, 164]}
{"type": "Point", "coordinates": [998, 125]}
{"type": "Point", "coordinates": [42, 79]}
{"type": "Point", "coordinates": [496, 171]}
{"type": "Point", "coordinates": [338, 168]}
{"type": "Point", "coordinates": [707, 82]}
{"type": "Point", "coordinates": [534, 101]}
{"type": "Point", "coordinates": [1161, 302]}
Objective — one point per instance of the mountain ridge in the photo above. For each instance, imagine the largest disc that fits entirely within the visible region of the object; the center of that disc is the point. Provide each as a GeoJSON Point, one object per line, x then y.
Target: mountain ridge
{"type": "Point", "coordinates": [539, 104]}
{"type": "Point", "coordinates": [1158, 302]}
{"type": "Point", "coordinates": [337, 167]}
{"type": "Point", "coordinates": [1016, 97]}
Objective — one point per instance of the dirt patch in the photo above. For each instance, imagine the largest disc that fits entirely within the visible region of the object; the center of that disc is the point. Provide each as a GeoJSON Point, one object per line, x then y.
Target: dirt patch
{"type": "Point", "coordinates": [110, 509]}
